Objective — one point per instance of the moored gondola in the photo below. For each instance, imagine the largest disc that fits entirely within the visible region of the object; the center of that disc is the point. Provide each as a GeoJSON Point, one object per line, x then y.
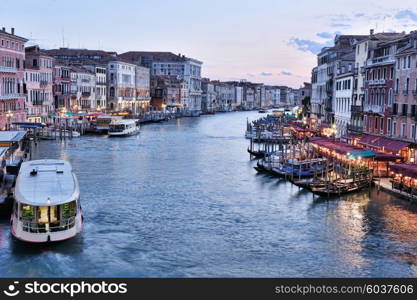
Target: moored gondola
{"type": "Point", "coordinates": [338, 189]}
{"type": "Point", "coordinates": [258, 154]}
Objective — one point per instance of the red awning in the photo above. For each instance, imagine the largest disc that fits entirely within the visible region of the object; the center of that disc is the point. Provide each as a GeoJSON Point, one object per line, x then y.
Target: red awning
{"type": "Point", "coordinates": [378, 142]}
{"type": "Point", "coordinates": [386, 157]}
{"type": "Point", "coordinates": [396, 146]}
{"type": "Point", "coordinates": [368, 140]}
{"type": "Point", "coordinates": [351, 136]}
{"type": "Point", "coordinates": [338, 147]}
{"type": "Point", "coordinates": [405, 169]}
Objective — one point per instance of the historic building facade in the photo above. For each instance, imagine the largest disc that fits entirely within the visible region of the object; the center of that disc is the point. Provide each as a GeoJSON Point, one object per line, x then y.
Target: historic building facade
{"type": "Point", "coordinates": [167, 63]}
{"type": "Point", "coordinates": [121, 85]}
{"type": "Point", "coordinates": [40, 98]}
{"type": "Point", "coordinates": [343, 94]}
{"type": "Point", "coordinates": [62, 87]}
{"type": "Point", "coordinates": [84, 92]}
{"type": "Point", "coordinates": [12, 98]}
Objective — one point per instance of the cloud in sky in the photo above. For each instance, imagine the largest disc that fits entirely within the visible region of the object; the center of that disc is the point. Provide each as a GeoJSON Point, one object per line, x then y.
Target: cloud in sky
{"type": "Point", "coordinates": [406, 15]}
{"type": "Point", "coordinates": [309, 45]}
{"type": "Point", "coordinates": [265, 74]}
{"type": "Point", "coordinates": [286, 73]}
{"type": "Point", "coordinates": [325, 35]}
{"type": "Point", "coordinates": [340, 25]}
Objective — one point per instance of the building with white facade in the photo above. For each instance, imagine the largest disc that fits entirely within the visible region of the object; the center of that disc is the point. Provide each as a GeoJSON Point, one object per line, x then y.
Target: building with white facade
{"type": "Point", "coordinates": [39, 75]}
{"type": "Point", "coordinates": [121, 83]}
{"type": "Point", "coordinates": [343, 94]}
{"type": "Point", "coordinates": [208, 96]}
{"type": "Point", "coordinates": [238, 98]}
{"type": "Point", "coordinates": [100, 72]}
{"type": "Point", "coordinates": [142, 90]}
{"type": "Point", "coordinates": [83, 90]}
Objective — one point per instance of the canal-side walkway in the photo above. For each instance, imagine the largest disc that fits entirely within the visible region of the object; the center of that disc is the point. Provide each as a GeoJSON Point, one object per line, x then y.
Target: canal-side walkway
{"type": "Point", "coordinates": [386, 185]}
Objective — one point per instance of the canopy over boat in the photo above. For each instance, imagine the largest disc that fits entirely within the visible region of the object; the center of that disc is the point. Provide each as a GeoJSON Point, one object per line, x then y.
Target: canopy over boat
{"type": "Point", "coordinates": [46, 182]}
{"type": "Point", "coordinates": [11, 136]}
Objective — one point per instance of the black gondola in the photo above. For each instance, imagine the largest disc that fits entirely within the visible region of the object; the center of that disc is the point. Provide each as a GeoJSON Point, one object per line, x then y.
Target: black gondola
{"type": "Point", "coordinates": [257, 154]}
{"type": "Point", "coordinates": [333, 190]}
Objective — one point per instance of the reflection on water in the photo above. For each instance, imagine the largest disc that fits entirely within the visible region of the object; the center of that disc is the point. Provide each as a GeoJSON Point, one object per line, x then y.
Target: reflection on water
{"type": "Point", "coordinates": [182, 200]}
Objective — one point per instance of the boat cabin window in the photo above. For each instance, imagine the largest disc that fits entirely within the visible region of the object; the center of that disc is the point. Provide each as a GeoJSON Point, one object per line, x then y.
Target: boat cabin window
{"type": "Point", "coordinates": [40, 219]}
{"type": "Point", "coordinates": [117, 128]}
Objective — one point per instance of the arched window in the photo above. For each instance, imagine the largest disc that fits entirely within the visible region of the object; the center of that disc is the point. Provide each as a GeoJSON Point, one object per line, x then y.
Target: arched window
{"type": "Point", "coordinates": [112, 92]}
{"type": "Point", "coordinates": [390, 93]}
{"type": "Point", "coordinates": [383, 98]}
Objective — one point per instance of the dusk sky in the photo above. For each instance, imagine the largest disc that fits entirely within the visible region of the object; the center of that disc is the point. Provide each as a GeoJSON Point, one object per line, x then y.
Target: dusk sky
{"type": "Point", "coordinates": [268, 41]}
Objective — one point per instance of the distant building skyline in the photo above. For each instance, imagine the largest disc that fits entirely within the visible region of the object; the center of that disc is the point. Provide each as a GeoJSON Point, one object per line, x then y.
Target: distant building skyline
{"type": "Point", "coordinates": [273, 42]}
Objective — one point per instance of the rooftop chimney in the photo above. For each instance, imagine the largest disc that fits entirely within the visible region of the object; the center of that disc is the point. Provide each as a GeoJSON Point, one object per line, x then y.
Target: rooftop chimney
{"type": "Point", "coordinates": [371, 32]}
{"type": "Point", "coordinates": [12, 31]}
{"type": "Point", "coordinates": [4, 29]}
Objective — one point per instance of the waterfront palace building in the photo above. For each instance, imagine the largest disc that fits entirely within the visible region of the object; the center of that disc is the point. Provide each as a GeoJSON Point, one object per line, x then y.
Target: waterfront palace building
{"type": "Point", "coordinates": [12, 98]}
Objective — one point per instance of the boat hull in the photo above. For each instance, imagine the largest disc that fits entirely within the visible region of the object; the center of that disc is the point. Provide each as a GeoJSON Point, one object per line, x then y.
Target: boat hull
{"type": "Point", "coordinates": [321, 191]}
{"type": "Point", "coordinates": [257, 154]}
{"type": "Point", "coordinates": [47, 237]}
{"type": "Point", "coordinates": [123, 133]}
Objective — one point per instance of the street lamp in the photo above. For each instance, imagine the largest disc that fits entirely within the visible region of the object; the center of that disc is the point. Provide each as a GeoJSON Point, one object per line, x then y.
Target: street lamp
{"type": "Point", "coordinates": [334, 130]}
{"type": "Point", "coordinates": [9, 116]}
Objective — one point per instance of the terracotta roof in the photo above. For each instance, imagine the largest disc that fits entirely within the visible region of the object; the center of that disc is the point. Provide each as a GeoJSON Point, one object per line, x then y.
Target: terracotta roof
{"type": "Point", "coordinates": [78, 52]}
{"type": "Point", "coordinates": [78, 69]}
{"type": "Point", "coordinates": [35, 50]}
{"type": "Point", "coordinates": [154, 55]}
{"type": "Point", "coordinates": [80, 62]}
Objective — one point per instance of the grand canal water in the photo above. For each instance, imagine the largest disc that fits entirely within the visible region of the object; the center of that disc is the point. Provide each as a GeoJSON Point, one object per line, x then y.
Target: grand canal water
{"type": "Point", "coordinates": [182, 200]}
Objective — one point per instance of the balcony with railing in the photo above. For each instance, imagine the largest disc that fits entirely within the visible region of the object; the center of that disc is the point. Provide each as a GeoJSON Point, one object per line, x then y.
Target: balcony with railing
{"type": "Point", "coordinates": [373, 108]}
{"type": "Point", "coordinates": [8, 69]}
{"type": "Point", "coordinates": [126, 98]}
{"type": "Point", "coordinates": [377, 82]}
{"type": "Point", "coordinates": [381, 60]}
{"type": "Point", "coordinates": [9, 96]}
{"type": "Point", "coordinates": [356, 109]}
{"type": "Point", "coordinates": [86, 94]}
{"type": "Point", "coordinates": [354, 128]}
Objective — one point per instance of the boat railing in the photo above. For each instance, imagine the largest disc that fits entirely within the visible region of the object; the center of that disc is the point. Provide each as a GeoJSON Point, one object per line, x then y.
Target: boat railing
{"type": "Point", "coordinates": [37, 227]}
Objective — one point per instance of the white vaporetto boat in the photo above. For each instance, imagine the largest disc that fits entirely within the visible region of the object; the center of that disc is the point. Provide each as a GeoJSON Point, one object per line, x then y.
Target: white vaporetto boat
{"type": "Point", "coordinates": [124, 127]}
{"type": "Point", "coordinates": [47, 202]}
